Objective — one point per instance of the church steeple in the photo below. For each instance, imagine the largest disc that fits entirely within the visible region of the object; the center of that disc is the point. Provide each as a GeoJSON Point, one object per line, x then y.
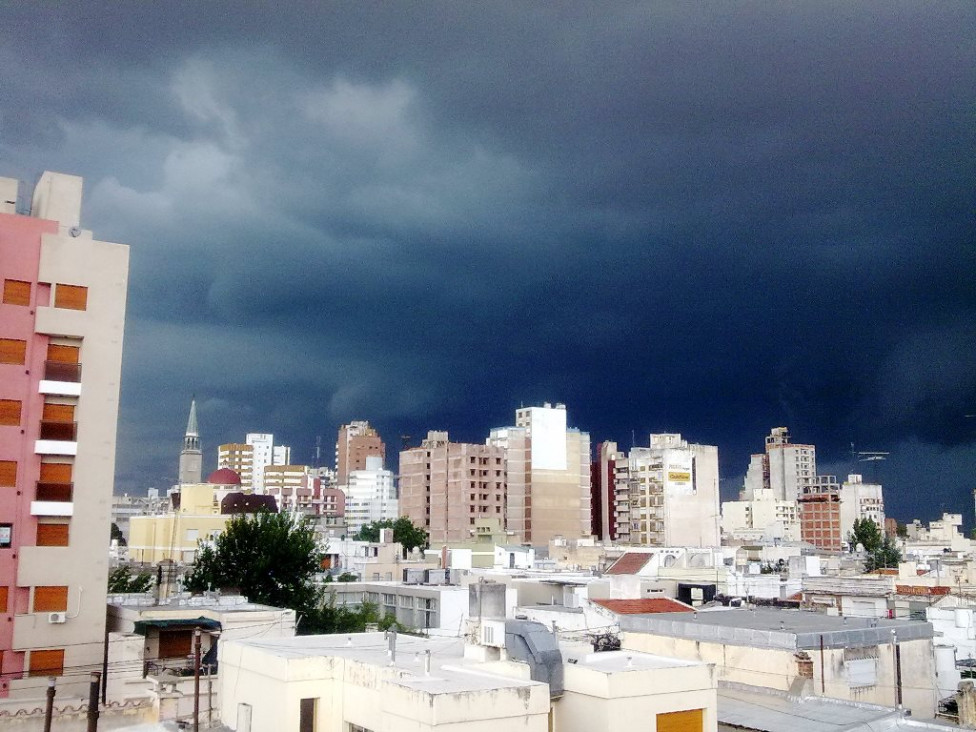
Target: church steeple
{"type": "Point", "coordinates": [191, 457]}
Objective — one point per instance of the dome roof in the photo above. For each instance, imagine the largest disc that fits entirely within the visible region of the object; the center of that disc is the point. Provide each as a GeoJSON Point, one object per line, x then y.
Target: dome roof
{"type": "Point", "coordinates": [224, 476]}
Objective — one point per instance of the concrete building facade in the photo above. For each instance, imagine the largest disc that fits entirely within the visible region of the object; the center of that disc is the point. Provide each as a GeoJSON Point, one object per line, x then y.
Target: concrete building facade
{"type": "Point", "coordinates": [62, 318]}
{"type": "Point", "coordinates": [548, 475]}
{"type": "Point", "coordinates": [673, 493]}
{"type": "Point", "coordinates": [370, 496]}
{"type": "Point", "coordinates": [445, 487]}
{"type": "Point", "coordinates": [356, 442]}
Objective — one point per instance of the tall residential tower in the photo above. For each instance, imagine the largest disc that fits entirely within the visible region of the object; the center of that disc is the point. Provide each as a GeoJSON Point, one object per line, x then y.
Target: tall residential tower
{"type": "Point", "coordinates": [62, 318]}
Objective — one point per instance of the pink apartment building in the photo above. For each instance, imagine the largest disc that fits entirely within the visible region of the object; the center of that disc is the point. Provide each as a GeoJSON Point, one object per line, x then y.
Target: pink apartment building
{"type": "Point", "coordinates": [445, 486]}
{"type": "Point", "coordinates": [62, 317]}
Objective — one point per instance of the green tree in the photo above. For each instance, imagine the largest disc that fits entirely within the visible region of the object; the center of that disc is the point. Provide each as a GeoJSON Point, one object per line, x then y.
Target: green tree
{"type": "Point", "coordinates": [404, 532]}
{"type": "Point", "coordinates": [117, 534]}
{"type": "Point", "coordinates": [886, 555]}
{"type": "Point", "coordinates": [270, 558]}
{"type": "Point", "coordinates": [866, 533]}
{"type": "Point", "coordinates": [120, 579]}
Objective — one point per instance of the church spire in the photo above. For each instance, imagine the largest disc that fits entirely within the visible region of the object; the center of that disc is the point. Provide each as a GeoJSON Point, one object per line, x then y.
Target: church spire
{"type": "Point", "coordinates": [191, 457]}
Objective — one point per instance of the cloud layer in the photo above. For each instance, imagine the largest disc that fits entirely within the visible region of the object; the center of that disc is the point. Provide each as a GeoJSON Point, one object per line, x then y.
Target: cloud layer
{"type": "Point", "coordinates": [709, 220]}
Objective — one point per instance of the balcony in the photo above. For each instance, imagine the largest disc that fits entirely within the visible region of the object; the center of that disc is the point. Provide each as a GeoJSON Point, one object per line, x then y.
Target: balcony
{"type": "Point", "coordinates": [58, 492]}
{"type": "Point", "coordinates": [63, 379]}
{"type": "Point", "coordinates": [52, 508]}
{"type": "Point", "coordinates": [62, 431]}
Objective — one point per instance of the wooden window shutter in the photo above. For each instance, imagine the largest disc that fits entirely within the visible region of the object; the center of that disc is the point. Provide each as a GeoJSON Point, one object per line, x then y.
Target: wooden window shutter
{"type": "Point", "coordinates": [10, 412]}
{"type": "Point", "coordinates": [47, 662]}
{"type": "Point", "coordinates": [58, 413]}
{"type": "Point", "coordinates": [689, 720]}
{"type": "Point", "coordinates": [72, 297]}
{"type": "Point", "coordinates": [8, 473]}
{"type": "Point", "coordinates": [16, 292]}
{"type": "Point", "coordinates": [3, 599]}
{"type": "Point", "coordinates": [50, 599]}
{"type": "Point", "coordinates": [13, 351]}
{"type": "Point", "coordinates": [55, 472]}
{"type": "Point", "coordinates": [63, 354]}
{"type": "Point", "coordinates": [52, 535]}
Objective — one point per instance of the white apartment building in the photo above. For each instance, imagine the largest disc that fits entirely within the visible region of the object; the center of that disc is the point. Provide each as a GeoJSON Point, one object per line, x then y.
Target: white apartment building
{"type": "Point", "coordinates": [370, 495]}
{"type": "Point", "coordinates": [764, 519]}
{"type": "Point", "coordinates": [784, 468]}
{"type": "Point", "coordinates": [250, 458]}
{"type": "Point", "coordinates": [671, 492]}
{"type": "Point", "coordinates": [860, 500]}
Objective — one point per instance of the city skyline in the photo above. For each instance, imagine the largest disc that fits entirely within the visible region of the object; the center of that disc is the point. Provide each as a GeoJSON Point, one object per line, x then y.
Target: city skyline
{"type": "Point", "coordinates": [706, 220]}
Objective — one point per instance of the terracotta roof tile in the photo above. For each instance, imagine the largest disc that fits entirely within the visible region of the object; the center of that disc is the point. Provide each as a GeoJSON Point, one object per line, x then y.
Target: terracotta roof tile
{"type": "Point", "coordinates": [630, 563]}
{"type": "Point", "coordinates": [645, 605]}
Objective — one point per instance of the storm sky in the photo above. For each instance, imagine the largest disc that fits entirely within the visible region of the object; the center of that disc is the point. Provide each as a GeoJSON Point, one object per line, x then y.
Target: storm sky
{"type": "Point", "coordinates": [710, 219]}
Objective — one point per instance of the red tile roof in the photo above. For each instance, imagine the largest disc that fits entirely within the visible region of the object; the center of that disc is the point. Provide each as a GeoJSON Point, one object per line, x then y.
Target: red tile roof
{"type": "Point", "coordinates": [630, 563]}
{"type": "Point", "coordinates": [937, 591]}
{"type": "Point", "coordinates": [645, 605]}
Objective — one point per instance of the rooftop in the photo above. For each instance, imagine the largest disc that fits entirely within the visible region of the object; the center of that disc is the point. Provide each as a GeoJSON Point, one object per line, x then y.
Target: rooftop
{"type": "Point", "coordinates": [630, 563]}
{"type": "Point", "coordinates": [450, 672]}
{"type": "Point", "coordinates": [767, 710]}
{"type": "Point", "coordinates": [776, 628]}
{"type": "Point", "coordinates": [645, 605]}
{"type": "Point", "coordinates": [610, 662]}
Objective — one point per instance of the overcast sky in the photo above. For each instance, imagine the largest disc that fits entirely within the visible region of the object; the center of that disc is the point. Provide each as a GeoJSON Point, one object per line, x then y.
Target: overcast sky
{"type": "Point", "coordinates": [710, 219]}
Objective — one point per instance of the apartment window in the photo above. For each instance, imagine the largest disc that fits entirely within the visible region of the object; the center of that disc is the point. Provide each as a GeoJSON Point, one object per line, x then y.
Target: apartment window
{"type": "Point", "coordinates": [8, 473]}
{"type": "Point", "coordinates": [4, 591]}
{"type": "Point", "coordinates": [689, 720]}
{"type": "Point", "coordinates": [6, 535]}
{"type": "Point", "coordinates": [47, 663]}
{"type": "Point", "coordinates": [52, 535]}
{"type": "Point", "coordinates": [13, 351]}
{"type": "Point", "coordinates": [72, 297]}
{"type": "Point", "coordinates": [10, 412]}
{"type": "Point", "coordinates": [16, 292]}
{"type": "Point", "coordinates": [50, 599]}
{"type": "Point", "coordinates": [62, 363]}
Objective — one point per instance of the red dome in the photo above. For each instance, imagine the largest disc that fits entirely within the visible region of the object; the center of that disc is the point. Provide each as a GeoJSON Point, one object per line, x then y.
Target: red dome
{"type": "Point", "coordinates": [224, 476]}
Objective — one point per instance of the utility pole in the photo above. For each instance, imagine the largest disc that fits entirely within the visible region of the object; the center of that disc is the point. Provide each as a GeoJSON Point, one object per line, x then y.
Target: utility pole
{"type": "Point", "coordinates": [49, 708]}
{"type": "Point", "coordinates": [96, 677]}
{"type": "Point", "coordinates": [196, 680]}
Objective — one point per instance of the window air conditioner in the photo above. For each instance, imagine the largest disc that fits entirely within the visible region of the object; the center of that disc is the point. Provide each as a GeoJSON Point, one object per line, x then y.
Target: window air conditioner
{"type": "Point", "coordinates": [57, 617]}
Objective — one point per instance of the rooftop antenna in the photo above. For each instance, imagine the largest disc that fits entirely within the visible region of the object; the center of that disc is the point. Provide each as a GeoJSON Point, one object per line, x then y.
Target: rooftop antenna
{"type": "Point", "coordinates": [405, 441]}
{"type": "Point", "coordinates": [872, 456]}
{"type": "Point", "coordinates": [318, 451]}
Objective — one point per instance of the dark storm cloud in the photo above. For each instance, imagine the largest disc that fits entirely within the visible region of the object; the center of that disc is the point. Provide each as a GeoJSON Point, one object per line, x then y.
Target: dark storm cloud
{"type": "Point", "coordinates": [707, 219]}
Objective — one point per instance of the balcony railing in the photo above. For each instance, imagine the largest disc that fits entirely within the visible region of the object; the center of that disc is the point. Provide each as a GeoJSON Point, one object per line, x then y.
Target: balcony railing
{"type": "Point", "coordinates": [60, 492]}
{"type": "Point", "coordinates": [59, 371]}
{"type": "Point", "coordinates": [60, 431]}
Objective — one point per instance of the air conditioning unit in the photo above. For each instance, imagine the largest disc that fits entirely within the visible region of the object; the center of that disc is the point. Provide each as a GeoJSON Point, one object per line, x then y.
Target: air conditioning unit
{"type": "Point", "coordinates": [57, 617]}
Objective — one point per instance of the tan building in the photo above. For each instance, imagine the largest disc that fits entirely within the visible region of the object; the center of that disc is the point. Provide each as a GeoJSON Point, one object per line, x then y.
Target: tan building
{"type": "Point", "coordinates": [356, 442]}
{"type": "Point", "coordinates": [198, 512]}
{"type": "Point", "coordinates": [62, 318]}
{"type": "Point", "coordinates": [445, 487]}
{"type": "Point", "coordinates": [548, 475]}
{"type": "Point", "coordinates": [238, 457]}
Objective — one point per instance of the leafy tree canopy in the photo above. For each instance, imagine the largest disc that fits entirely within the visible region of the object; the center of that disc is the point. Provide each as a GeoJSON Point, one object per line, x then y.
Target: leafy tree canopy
{"type": "Point", "coordinates": [404, 532]}
{"type": "Point", "coordinates": [886, 555]}
{"type": "Point", "coordinates": [270, 558]}
{"type": "Point", "coordinates": [117, 534]}
{"type": "Point", "coordinates": [866, 533]}
{"type": "Point", "coordinates": [120, 579]}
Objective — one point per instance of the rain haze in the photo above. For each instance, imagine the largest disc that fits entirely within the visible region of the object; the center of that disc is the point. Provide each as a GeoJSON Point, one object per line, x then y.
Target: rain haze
{"type": "Point", "coordinates": [710, 219]}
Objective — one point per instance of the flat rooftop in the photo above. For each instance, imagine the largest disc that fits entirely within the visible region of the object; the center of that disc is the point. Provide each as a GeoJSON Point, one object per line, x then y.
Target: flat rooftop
{"type": "Point", "coordinates": [450, 672]}
{"type": "Point", "coordinates": [776, 628]}
{"type": "Point", "coordinates": [611, 662]}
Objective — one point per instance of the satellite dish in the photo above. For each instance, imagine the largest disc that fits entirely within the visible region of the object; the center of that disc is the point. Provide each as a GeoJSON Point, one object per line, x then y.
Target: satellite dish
{"type": "Point", "coordinates": [75, 231]}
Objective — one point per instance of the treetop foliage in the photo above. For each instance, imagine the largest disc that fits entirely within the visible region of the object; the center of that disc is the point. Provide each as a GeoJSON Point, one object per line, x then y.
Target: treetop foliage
{"type": "Point", "coordinates": [404, 532]}
{"type": "Point", "coordinates": [270, 558]}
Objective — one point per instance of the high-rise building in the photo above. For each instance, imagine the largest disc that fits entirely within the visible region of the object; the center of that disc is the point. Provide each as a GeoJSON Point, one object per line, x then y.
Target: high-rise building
{"type": "Point", "coordinates": [603, 491]}
{"type": "Point", "coordinates": [370, 495]}
{"type": "Point", "coordinates": [239, 457]}
{"type": "Point", "coordinates": [548, 475]}
{"type": "Point", "coordinates": [446, 486]}
{"type": "Point", "coordinates": [191, 457]}
{"type": "Point", "coordinates": [356, 442]}
{"type": "Point", "coordinates": [262, 453]}
{"type": "Point", "coordinates": [62, 318]}
{"type": "Point", "coordinates": [672, 490]}
{"type": "Point", "coordinates": [785, 468]}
